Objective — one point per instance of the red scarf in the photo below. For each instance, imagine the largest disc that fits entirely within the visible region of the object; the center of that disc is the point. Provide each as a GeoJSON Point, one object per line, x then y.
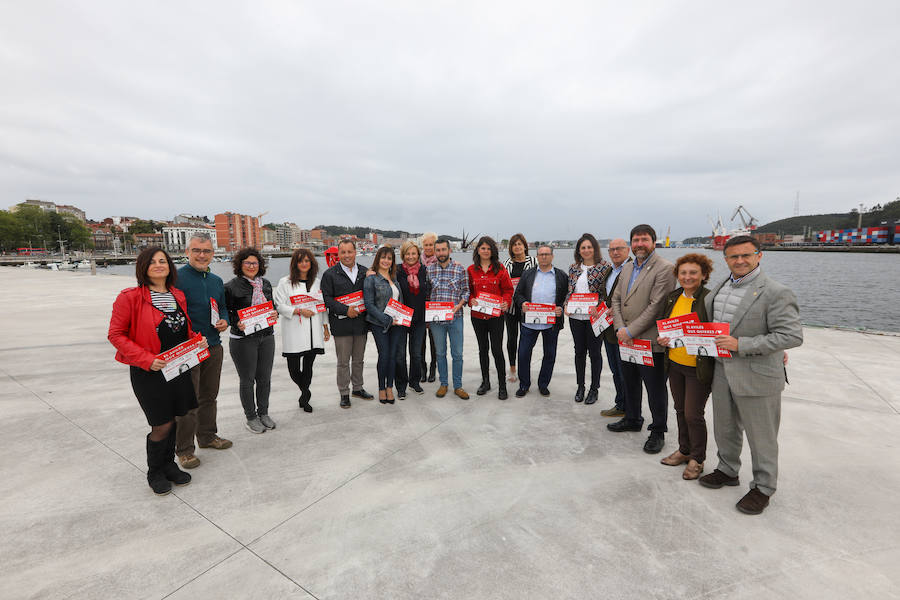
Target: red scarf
{"type": "Point", "coordinates": [412, 277]}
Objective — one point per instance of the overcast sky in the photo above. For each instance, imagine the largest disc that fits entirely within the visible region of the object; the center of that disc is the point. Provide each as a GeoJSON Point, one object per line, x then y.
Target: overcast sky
{"type": "Point", "coordinates": [496, 117]}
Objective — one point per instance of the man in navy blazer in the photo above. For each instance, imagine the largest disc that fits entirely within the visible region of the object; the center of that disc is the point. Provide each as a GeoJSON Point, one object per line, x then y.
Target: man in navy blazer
{"type": "Point", "coordinates": [544, 284]}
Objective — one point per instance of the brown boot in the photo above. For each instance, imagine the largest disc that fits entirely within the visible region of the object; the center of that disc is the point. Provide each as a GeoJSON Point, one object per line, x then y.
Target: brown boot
{"type": "Point", "coordinates": [692, 470]}
{"type": "Point", "coordinates": [675, 459]}
{"type": "Point", "coordinates": [753, 502]}
{"type": "Point", "coordinates": [717, 479]}
{"type": "Point", "coordinates": [441, 391]}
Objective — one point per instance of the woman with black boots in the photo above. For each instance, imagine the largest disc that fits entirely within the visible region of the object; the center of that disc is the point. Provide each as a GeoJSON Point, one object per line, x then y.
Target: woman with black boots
{"type": "Point", "coordinates": [488, 276]}
{"type": "Point", "coordinates": [146, 321]}
{"type": "Point", "coordinates": [518, 262]}
{"type": "Point", "coordinates": [304, 331]}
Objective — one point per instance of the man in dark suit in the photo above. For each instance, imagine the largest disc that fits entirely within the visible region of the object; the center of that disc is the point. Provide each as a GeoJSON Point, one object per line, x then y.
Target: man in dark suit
{"type": "Point", "coordinates": [544, 284]}
{"type": "Point", "coordinates": [618, 257]}
{"type": "Point", "coordinates": [635, 305]}
{"type": "Point", "coordinates": [348, 328]}
{"type": "Point", "coordinates": [746, 389]}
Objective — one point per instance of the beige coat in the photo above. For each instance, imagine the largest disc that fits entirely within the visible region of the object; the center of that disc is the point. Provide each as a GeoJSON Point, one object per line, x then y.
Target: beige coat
{"type": "Point", "coordinates": [639, 307]}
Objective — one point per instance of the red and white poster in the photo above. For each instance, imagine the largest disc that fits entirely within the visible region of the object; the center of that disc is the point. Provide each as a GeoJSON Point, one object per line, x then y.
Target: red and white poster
{"type": "Point", "coordinates": [313, 302]}
{"type": "Point", "coordinates": [183, 357]}
{"type": "Point", "coordinates": [515, 283]}
{"type": "Point", "coordinates": [602, 319]}
{"type": "Point", "coordinates": [580, 304]}
{"type": "Point", "coordinates": [539, 314]}
{"type": "Point", "coordinates": [213, 311]}
{"type": "Point", "coordinates": [488, 304]}
{"type": "Point", "coordinates": [355, 299]}
{"type": "Point", "coordinates": [638, 352]}
{"type": "Point", "coordinates": [257, 317]}
{"type": "Point", "coordinates": [700, 339]}
{"type": "Point", "coordinates": [438, 311]}
{"type": "Point", "coordinates": [401, 313]}
{"type": "Point", "coordinates": [673, 328]}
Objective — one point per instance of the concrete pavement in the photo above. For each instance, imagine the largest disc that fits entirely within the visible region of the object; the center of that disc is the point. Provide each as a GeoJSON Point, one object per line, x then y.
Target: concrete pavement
{"type": "Point", "coordinates": [428, 498]}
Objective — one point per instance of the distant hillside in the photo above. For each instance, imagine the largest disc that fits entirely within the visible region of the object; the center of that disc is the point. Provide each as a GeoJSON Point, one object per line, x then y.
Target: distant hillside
{"type": "Point", "coordinates": [890, 212]}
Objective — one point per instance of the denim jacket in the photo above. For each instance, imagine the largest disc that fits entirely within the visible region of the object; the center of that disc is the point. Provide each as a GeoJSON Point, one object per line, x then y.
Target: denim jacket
{"type": "Point", "coordinates": [376, 294]}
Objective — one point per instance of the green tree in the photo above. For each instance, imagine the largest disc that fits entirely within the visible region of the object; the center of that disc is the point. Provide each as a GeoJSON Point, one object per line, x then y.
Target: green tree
{"type": "Point", "coordinates": [10, 231]}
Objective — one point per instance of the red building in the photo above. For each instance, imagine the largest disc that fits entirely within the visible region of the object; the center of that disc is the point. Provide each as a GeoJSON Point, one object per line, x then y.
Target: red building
{"type": "Point", "coordinates": [235, 231]}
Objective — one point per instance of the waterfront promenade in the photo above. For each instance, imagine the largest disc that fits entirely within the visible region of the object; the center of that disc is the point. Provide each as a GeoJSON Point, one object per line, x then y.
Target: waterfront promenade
{"type": "Point", "coordinates": [428, 498]}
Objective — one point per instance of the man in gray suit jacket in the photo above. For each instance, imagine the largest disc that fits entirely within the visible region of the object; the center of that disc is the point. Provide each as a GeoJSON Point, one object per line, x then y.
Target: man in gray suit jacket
{"type": "Point", "coordinates": [643, 287]}
{"type": "Point", "coordinates": [746, 388]}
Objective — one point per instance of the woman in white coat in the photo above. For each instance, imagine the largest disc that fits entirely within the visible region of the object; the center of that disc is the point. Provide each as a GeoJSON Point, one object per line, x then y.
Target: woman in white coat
{"type": "Point", "coordinates": [304, 330]}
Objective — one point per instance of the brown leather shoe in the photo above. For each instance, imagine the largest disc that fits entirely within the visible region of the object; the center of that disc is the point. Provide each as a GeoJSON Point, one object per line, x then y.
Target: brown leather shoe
{"type": "Point", "coordinates": [188, 461]}
{"type": "Point", "coordinates": [461, 393]}
{"type": "Point", "coordinates": [217, 443]}
{"type": "Point", "coordinates": [692, 470]}
{"type": "Point", "coordinates": [753, 502]}
{"type": "Point", "coordinates": [441, 391]}
{"type": "Point", "coordinates": [675, 459]}
{"type": "Point", "coordinates": [717, 479]}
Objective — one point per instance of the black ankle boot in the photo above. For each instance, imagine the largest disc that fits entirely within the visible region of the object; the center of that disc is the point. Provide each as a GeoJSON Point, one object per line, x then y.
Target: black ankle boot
{"type": "Point", "coordinates": [591, 397]}
{"type": "Point", "coordinates": [579, 394]}
{"type": "Point", "coordinates": [155, 476]}
{"type": "Point", "coordinates": [169, 468]}
{"type": "Point", "coordinates": [305, 395]}
{"type": "Point", "coordinates": [484, 388]}
{"type": "Point", "coordinates": [501, 391]}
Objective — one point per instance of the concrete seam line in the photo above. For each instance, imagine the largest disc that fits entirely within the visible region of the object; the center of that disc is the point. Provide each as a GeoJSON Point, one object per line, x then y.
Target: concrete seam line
{"type": "Point", "coordinates": [864, 382]}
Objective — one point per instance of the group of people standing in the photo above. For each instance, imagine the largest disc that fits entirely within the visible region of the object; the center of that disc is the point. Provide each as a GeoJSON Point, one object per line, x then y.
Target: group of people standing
{"type": "Point", "coordinates": [157, 316]}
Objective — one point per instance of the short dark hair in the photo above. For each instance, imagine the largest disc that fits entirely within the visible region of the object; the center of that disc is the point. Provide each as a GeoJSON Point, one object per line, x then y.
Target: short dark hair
{"type": "Point", "coordinates": [548, 246]}
{"type": "Point", "coordinates": [701, 260]}
{"type": "Point", "coordinates": [442, 240]}
{"type": "Point", "coordinates": [143, 263]}
{"type": "Point", "coordinates": [741, 239]}
{"type": "Point", "coordinates": [243, 254]}
{"type": "Point", "coordinates": [386, 250]}
{"type": "Point", "coordinates": [346, 240]}
{"type": "Point", "coordinates": [642, 228]}
{"type": "Point", "coordinates": [294, 271]}
{"type": "Point", "coordinates": [589, 238]}
{"type": "Point", "coordinates": [495, 253]}
{"type": "Point", "coordinates": [517, 237]}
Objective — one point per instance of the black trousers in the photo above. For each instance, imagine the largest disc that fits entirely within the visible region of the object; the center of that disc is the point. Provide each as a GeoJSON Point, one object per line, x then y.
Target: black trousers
{"type": "Point", "coordinates": [489, 333]}
{"type": "Point", "coordinates": [586, 343]}
{"type": "Point", "coordinates": [300, 369]}
{"type": "Point", "coordinates": [654, 379]}
{"type": "Point", "coordinates": [512, 336]}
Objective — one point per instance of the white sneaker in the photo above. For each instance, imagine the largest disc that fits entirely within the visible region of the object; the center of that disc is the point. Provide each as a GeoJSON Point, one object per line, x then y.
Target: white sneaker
{"type": "Point", "coordinates": [267, 421]}
{"type": "Point", "coordinates": [256, 426]}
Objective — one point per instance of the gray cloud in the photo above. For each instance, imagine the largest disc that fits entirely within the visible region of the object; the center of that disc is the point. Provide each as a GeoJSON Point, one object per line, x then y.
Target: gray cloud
{"type": "Point", "coordinates": [496, 117]}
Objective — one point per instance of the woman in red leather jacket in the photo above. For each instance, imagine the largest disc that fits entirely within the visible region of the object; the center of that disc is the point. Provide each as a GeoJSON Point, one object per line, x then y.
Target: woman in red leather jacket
{"type": "Point", "coordinates": [146, 321]}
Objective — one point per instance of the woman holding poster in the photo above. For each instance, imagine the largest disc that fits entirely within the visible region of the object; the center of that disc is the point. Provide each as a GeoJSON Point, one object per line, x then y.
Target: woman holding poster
{"type": "Point", "coordinates": [690, 376]}
{"type": "Point", "coordinates": [304, 332]}
{"type": "Point", "coordinates": [587, 278]}
{"type": "Point", "coordinates": [415, 289]}
{"type": "Point", "coordinates": [518, 262]}
{"type": "Point", "coordinates": [251, 342]}
{"type": "Point", "coordinates": [378, 291]}
{"type": "Point", "coordinates": [146, 321]}
{"type": "Point", "coordinates": [489, 286]}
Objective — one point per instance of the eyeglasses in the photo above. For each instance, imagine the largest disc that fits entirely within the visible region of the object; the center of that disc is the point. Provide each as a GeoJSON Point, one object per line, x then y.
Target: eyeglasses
{"type": "Point", "coordinates": [250, 264]}
{"type": "Point", "coordinates": [545, 254]}
{"type": "Point", "coordinates": [204, 251]}
{"type": "Point", "coordinates": [741, 256]}
{"type": "Point", "coordinates": [618, 248]}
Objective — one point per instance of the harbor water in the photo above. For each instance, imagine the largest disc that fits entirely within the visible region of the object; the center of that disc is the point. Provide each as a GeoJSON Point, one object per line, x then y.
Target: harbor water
{"type": "Point", "coordinates": [860, 291]}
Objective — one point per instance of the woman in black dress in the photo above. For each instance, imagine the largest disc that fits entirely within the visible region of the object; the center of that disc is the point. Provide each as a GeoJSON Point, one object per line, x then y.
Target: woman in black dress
{"type": "Point", "coordinates": [148, 320]}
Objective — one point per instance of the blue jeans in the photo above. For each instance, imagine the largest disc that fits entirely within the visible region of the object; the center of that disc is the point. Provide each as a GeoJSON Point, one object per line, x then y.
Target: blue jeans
{"type": "Point", "coordinates": [527, 339]}
{"type": "Point", "coordinates": [440, 331]}
{"type": "Point", "coordinates": [615, 366]}
{"type": "Point", "coordinates": [387, 343]}
{"type": "Point", "coordinates": [416, 333]}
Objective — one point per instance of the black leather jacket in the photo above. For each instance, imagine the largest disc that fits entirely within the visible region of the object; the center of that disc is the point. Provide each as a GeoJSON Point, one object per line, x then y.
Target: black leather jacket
{"type": "Point", "coordinates": [239, 294]}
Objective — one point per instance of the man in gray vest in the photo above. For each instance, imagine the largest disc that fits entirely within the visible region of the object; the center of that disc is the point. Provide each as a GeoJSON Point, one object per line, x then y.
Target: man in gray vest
{"type": "Point", "coordinates": [746, 390]}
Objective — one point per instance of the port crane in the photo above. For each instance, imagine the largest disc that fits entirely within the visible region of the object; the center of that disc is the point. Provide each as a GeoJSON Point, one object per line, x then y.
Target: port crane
{"type": "Point", "coordinates": [749, 222]}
